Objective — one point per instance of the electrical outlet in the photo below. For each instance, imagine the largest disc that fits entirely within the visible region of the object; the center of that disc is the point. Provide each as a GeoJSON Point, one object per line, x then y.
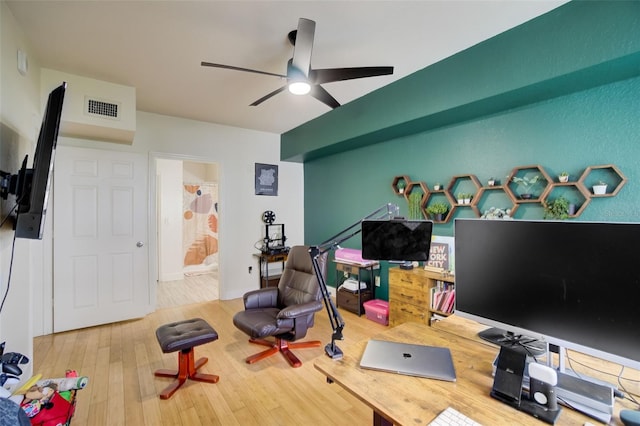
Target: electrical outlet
{"type": "Point", "coordinates": [377, 281]}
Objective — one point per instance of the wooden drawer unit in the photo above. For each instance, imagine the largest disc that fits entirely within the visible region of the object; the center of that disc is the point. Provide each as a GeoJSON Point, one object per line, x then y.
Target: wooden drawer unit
{"type": "Point", "coordinates": [349, 300]}
{"type": "Point", "coordinates": [401, 312]}
{"type": "Point", "coordinates": [409, 299]}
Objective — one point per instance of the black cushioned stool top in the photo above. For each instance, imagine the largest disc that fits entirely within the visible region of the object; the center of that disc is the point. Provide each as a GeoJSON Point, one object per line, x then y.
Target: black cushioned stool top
{"type": "Point", "coordinates": [185, 334]}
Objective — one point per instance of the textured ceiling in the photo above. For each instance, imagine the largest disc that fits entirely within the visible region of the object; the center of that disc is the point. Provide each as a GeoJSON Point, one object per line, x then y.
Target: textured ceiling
{"type": "Point", "coordinates": [157, 47]}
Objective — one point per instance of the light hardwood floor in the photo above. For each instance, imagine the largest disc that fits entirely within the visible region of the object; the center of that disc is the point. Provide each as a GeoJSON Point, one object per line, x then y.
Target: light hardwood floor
{"type": "Point", "coordinates": [190, 289]}
{"type": "Point", "coordinates": [120, 360]}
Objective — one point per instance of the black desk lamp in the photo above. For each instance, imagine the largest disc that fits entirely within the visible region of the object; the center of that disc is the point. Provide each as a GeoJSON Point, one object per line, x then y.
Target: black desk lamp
{"type": "Point", "coordinates": [388, 211]}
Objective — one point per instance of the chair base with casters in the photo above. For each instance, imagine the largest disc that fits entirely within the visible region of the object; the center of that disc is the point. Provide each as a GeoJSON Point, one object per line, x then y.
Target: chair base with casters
{"type": "Point", "coordinates": [184, 336]}
{"type": "Point", "coordinates": [282, 346]}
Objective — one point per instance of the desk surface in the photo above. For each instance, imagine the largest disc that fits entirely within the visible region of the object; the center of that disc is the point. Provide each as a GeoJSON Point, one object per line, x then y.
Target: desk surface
{"type": "Point", "coordinates": [408, 400]}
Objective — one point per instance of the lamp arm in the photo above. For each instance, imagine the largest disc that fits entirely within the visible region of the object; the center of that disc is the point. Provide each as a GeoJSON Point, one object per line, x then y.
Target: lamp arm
{"type": "Point", "coordinates": [388, 211]}
{"type": "Point", "coordinates": [337, 323]}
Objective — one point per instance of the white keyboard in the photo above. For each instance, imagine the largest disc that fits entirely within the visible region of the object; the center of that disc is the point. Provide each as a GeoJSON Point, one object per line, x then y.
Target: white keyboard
{"type": "Point", "coordinates": [452, 417]}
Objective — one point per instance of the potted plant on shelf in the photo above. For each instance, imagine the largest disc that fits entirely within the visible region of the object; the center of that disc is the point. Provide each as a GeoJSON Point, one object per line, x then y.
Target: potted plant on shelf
{"type": "Point", "coordinates": [415, 197]}
{"type": "Point", "coordinates": [491, 181]}
{"type": "Point", "coordinates": [401, 185]}
{"type": "Point", "coordinates": [460, 197]}
{"type": "Point", "coordinates": [467, 198]}
{"type": "Point", "coordinates": [557, 209]}
{"type": "Point", "coordinates": [563, 177]}
{"type": "Point", "coordinates": [527, 185]}
{"type": "Point", "coordinates": [437, 186]}
{"type": "Point", "coordinates": [600, 188]}
{"type": "Point", "coordinates": [438, 210]}
{"type": "Point", "coordinates": [495, 213]}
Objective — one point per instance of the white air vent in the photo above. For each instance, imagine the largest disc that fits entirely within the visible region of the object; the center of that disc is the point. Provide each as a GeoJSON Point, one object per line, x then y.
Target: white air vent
{"type": "Point", "coordinates": [94, 109]}
{"type": "Point", "coordinates": [101, 108]}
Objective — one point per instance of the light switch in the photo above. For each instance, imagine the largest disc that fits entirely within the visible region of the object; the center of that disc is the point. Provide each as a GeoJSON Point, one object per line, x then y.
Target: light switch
{"type": "Point", "coordinates": [23, 63]}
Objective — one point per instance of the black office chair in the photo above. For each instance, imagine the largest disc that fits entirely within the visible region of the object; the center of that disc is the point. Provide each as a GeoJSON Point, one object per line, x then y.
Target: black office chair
{"type": "Point", "coordinates": [284, 312]}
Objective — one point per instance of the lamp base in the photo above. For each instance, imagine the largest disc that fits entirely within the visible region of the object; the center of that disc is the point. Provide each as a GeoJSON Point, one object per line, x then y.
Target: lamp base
{"type": "Point", "coordinates": [333, 351]}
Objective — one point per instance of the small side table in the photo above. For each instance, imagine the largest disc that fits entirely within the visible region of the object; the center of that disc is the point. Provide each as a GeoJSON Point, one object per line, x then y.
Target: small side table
{"type": "Point", "coordinates": [264, 259]}
{"type": "Point", "coordinates": [362, 295]}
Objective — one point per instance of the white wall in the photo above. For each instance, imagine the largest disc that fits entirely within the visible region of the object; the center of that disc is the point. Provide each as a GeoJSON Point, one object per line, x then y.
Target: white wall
{"type": "Point", "coordinates": [27, 311]}
{"type": "Point", "coordinates": [169, 191]}
{"type": "Point", "coordinates": [235, 151]}
{"type": "Point", "coordinates": [20, 115]}
{"type": "Point", "coordinates": [197, 172]}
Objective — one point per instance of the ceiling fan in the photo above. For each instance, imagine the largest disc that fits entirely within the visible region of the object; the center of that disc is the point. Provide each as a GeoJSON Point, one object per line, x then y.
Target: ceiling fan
{"type": "Point", "coordinates": [301, 78]}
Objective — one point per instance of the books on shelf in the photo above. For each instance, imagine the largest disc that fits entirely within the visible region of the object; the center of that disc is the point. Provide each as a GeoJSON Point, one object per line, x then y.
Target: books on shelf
{"type": "Point", "coordinates": [443, 297]}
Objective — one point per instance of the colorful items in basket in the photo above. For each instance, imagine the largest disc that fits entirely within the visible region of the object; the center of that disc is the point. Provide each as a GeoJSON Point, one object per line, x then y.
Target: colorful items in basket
{"type": "Point", "coordinates": [52, 401]}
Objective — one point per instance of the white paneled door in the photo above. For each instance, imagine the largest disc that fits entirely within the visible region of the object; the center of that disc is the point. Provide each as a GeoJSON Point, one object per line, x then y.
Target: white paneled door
{"type": "Point", "coordinates": [100, 253]}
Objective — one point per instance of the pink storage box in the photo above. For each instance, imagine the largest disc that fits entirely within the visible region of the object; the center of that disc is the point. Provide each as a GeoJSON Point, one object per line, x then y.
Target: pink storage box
{"type": "Point", "coordinates": [377, 310]}
{"type": "Point", "coordinates": [352, 256]}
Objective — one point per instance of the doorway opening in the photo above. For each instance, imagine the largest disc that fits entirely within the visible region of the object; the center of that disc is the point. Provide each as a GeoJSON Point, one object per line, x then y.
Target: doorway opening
{"type": "Point", "coordinates": [187, 232]}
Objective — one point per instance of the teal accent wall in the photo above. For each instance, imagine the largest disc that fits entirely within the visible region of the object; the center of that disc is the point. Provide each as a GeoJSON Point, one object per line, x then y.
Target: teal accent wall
{"type": "Point", "coordinates": [573, 101]}
{"type": "Point", "coordinates": [597, 126]}
{"type": "Point", "coordinates": [580, 45]}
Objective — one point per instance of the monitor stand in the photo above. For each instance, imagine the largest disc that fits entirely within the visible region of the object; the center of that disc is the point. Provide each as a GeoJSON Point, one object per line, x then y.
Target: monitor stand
{"type": "Point", "coordinates": [518, 342]}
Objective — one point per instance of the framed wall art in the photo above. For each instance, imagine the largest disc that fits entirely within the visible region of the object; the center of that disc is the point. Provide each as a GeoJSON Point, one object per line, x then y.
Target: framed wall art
{"type": "Point", "coordinates": [266, 179]}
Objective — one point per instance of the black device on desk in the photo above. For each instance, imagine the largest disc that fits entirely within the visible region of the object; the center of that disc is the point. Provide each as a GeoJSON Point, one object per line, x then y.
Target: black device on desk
{"type": "Point", "coordinates": [540, 402]}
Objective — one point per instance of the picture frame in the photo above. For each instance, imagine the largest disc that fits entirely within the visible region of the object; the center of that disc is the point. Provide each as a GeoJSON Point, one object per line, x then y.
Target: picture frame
{"type": "Point", "coordinates": [266, 179]}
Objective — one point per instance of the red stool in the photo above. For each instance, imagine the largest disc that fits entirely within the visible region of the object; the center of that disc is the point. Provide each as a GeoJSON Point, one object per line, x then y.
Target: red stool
{"type": "Point", "coordinates": [183, 336]}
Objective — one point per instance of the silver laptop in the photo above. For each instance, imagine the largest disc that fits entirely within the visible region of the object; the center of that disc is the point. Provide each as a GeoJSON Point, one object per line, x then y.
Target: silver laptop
{"type": "Point", "coordinates": [432, 362]}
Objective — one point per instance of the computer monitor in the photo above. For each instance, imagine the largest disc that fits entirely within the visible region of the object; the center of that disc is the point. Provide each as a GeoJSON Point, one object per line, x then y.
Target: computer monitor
{"type": "Point", "coordinates": [396, 239]}
{"type": "Point", "coordinates": [571, 284]}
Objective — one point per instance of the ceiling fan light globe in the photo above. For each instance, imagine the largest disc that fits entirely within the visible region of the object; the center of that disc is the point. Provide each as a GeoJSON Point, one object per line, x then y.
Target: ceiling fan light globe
{"type": "Point", "coordinates": [299, 87]}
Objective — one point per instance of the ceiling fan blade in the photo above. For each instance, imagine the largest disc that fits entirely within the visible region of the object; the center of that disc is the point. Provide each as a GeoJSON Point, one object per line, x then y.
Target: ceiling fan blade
{"type": "Point", "coordinates": [231, 67]}
{"type": "Point", "coordinates": [303, 46]}
{"type": "Point", "coordinates": [323, 96]}
{"type": "Point", "coordinates": [338, 74]}
{"type": "Point", "coordinates": [264, 98]}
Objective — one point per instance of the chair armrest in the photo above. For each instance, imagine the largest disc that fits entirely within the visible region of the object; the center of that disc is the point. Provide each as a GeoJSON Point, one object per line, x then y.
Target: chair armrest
{"type": "Point", "coordinates": [295, 311]}
{"type": "Point", "coordinates": [261, 298]}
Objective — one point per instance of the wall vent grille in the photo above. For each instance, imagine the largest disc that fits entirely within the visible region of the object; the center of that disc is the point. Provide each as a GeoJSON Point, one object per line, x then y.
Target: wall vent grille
{"type": "Point", "coordinates": [102, 109]}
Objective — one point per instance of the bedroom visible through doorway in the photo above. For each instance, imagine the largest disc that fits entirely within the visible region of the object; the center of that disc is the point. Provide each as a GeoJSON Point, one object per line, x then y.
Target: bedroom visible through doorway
{"type": "Point", "coordinates": [187, 204]}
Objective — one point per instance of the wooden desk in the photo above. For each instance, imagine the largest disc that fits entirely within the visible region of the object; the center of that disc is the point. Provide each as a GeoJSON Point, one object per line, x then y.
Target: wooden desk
{"type": "Point", "coordinates": [405, 400]}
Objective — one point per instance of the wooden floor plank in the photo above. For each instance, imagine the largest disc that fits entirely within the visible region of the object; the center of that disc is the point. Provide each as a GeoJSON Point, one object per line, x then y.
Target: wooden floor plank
{"type": "Point", "coordinates": [120, 360]}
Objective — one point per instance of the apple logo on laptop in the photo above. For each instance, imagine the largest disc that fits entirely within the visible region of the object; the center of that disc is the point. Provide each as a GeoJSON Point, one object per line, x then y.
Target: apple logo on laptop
{"type": "Point", "coordinates": [406, 355]}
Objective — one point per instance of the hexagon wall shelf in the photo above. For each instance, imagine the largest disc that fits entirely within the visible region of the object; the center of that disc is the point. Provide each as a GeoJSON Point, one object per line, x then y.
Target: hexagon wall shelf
{"type": "Point", "coordinates": [524, 171]}
{"type": "Point", "coordinates": [607, 173]}
{"type": "Point", "coordinates": [577, 191]}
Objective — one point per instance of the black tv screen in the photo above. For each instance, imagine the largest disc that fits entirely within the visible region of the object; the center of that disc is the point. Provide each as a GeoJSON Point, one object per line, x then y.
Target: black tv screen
{"type": "Point", "coordinates": [32, 196]}
{"type": "Point", "coordinates": [572, 284]}
{"type": "Point", "coordinates": [396, 239]}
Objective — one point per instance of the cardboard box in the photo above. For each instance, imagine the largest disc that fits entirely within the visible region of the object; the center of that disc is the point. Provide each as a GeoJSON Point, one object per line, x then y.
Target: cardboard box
{"type": "Point", "coordinates": [377, 310]}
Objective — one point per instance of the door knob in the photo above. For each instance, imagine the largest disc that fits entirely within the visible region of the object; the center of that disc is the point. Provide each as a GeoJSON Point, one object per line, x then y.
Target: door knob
{"type": "Point", "coordinates": [139, 244]}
